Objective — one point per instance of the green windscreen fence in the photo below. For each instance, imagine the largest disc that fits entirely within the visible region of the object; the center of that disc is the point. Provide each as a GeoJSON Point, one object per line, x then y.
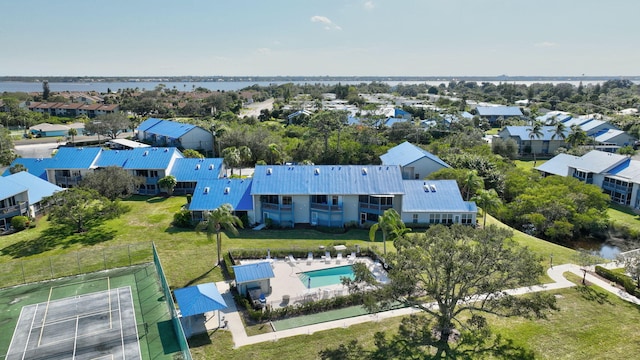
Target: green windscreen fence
{"type": "Point", "coordinates": [177, 326]}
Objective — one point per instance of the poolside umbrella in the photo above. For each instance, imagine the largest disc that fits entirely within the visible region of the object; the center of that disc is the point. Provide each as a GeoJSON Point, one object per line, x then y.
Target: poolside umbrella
{"type": "Point", "coordinates": [199, 299]}
{"type": "Point", "coordinates": [309, 282]}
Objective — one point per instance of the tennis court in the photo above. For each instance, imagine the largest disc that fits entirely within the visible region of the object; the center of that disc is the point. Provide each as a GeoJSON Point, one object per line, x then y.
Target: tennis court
{"type": "Point", "coordinates": [91, 326]}
{"type": "Point", "coordinates": [114, 314]}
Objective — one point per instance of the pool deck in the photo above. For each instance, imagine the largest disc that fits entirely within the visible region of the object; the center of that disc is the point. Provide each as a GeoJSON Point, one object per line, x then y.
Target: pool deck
{"type": "Point", "coordinates": [287, 283]}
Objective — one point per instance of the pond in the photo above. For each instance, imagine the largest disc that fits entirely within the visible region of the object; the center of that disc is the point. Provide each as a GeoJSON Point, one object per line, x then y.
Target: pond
{"type": "Point", "coordinates": [605, 250]}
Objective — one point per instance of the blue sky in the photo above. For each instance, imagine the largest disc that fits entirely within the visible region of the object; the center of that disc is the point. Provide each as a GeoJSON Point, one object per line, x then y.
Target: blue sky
{"type": "Point", "coordinates": [324, 37]}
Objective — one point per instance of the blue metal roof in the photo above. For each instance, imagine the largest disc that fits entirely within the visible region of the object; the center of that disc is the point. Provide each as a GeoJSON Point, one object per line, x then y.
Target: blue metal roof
{"type": "Point", "coordinates": [392, 120]}
{"type": "Point", "coordinates": [35, 167]}
{"type": "Point", "coordinates": [74, 158]}
{"type": "Point", "coordinates": [499, 111]}
{"type": "Point", "coordinates": [37, 187]}
{"type": "Point", "coordinates": [523, 133]}
{"type": "Point", "coordinates": [189, 169]}
{"type": "Point", "coordinates": [399, 112]}
{"type": "Point", "coordinates": [112, 158]}
{"type": "Point", "coordinates": [558, 165]}
{"type": "Point", "coordinates": [210, 194]}
{"type": "Point", "coordinates": [433, 196]}
{"type": "Point", "coordinates": [597, 162]}
{"type": "Point", "coordinates": [327, 180]}
{"type": "Point", "coordinates": [199, 299]}
{"type": "Point", "coordinates": [407, 153]}
{"type": "Point", "coordinates": [147, 124]}
{"type": "Point", "coordinates": [151, 158]}
{"type": "Point", "coordinates": [170, 129]}
{"type": "Point", "coordinates": [9, 188]}
{"type": "Point", "coordinates": [253, 272]}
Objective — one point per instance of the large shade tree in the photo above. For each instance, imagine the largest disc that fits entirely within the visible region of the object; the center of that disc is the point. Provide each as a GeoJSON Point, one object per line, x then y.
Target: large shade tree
{"type": "Point", "coordinates": [112, 182]}
{"type": "Point", "coordinates": [81, 208]}
{"type": "Point", "coordinates": [455, 275]}
{"type": "Point", "coordinates": [217, 220]}
{"type": "Point", "coordinates": [391, 225]}
{"type": "Point", "coordinates": [168, 182]}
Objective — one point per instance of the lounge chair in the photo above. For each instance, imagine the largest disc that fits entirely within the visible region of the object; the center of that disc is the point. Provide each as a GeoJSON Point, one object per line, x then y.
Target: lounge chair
{"type": "Point", "coordinates": [339, 258]}
{"type": "Point", "coordinates": [292, 260]}
{"type": "Point", "coordinates": [351, 258]}
{"type": "Point", "coordinates": [309, 258]}
{"type": "Point", "coordinates": [327, 257]}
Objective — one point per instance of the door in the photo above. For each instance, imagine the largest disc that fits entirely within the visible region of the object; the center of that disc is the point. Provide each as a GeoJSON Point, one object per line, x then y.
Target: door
{"type": "Point", "coordinates": [314, 218]}
{"type": "Point", "coordinates": [363, 218]}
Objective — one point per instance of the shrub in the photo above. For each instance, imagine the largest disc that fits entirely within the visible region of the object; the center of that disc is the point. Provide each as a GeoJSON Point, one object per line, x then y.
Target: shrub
{"type": "Point", "coordinates": [182, 219]}
{"type": "Point", "coordinates": [619, 279]}
{"type": "Point", "coordinates": [20, 222]}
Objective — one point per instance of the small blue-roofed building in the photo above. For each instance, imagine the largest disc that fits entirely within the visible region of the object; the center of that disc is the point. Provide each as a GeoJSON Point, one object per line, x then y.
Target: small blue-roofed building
{"type": "Point", "coordinates": [189, 172]}
{"type": "Point", "coordinates": [174, 134]}
{"type": "Point", "coordinates": [37, 189]}
{"type": "Point", "coordinates": [415, 162]}
{"type": "Point", "coordinates": [253, 276]}
{"type": "Point", "coordinates": [493, 113]}
{"type": "Point", "coordinates": [547, 143]}
{"type": "Point", "coordinates": [210, 194]}
{"type": "Point", "coordinates": [428, 202]}
{"type": "Point", "coordinates": [328, 195]}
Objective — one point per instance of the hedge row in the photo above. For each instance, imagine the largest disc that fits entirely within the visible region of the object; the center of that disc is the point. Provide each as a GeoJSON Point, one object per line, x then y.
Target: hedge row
{"type": "Point", "coordinates": [620, 279]}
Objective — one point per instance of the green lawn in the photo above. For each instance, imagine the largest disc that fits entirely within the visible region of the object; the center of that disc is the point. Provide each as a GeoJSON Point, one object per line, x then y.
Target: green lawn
{"type": "Point", "coordinates": [528, 164]}
{"type": "Point", "coordinates": [583, 329]}
{"type": "Point", "coordinates": [624, 215]}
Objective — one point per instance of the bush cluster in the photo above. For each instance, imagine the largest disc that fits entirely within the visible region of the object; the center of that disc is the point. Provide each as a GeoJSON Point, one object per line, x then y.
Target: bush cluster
{"type": "Point", "coordinates": [620, 279]}
{"type": "Point", "coordinates": [20, 222]}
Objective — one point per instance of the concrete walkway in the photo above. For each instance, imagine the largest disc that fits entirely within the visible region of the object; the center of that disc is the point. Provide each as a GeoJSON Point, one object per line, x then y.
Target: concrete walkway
{"type": "Point", "coordinates": [240, 338]}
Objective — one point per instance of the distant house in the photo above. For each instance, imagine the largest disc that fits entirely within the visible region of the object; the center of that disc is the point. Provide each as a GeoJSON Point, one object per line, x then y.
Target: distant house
{"type": "Point", "coordinates": [493, 113]}
{"type": "Point", "coordinates": [547, 143]}
{"type": "Point", "coordinates": [617, 175]}
{"type": "Point", "coordinates": [415, 162]}
{"type": "Point", "coordinates": [73, 109]}
{"type": "Point", "coordinates": [212, 193]}
{"type": "Point", "coordinates": [55, 130]}
{"type": "Point", "coordinates": [159, 132]}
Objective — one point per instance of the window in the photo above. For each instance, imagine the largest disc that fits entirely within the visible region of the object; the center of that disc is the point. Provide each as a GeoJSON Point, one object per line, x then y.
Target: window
{"type": "Point", "coordinates": [466, 218]}
{"type": "Point", "coordinates": [363, 199]}
{"type": "Point", "coordinates": [386, 201]}
{"type": "Point", "coordinates": [434, 218]}
{"type": "Point", "coordinates": [270, 199]}
{"type": "Point", "coordinates": [153, 173]}
{"type": "Point", "coordinates": [286, 200]}
{"type": "Point", "coordinates": [415, 218]}
{"type": "Point", "coordinates": [319, 199]}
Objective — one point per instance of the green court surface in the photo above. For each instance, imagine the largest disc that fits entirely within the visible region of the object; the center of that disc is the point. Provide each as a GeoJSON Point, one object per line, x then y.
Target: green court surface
{"type": "Point", "coordinates": [321, 317]}
{"type": "Point", "coordinates": [153, 319]}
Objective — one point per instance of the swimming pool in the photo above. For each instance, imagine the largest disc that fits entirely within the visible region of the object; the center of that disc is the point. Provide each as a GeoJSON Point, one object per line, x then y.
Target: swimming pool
{"type": "Point", "coordinates": [326, 277]}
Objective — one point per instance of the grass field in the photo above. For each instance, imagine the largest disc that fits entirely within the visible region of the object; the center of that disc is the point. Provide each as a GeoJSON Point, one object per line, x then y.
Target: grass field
{"type": "Point", "coordinates": [188, 258]}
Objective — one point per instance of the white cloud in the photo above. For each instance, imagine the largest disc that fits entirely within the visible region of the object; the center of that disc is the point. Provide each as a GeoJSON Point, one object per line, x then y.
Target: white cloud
{"type": "Point", "coordinates": [263, 51]}
{"type": "Point", "coordinates": [369, 5]}
{"type": "Point", "coordinates": [546, 44]}
{"type": "Point", "coordinates": [328, 24]}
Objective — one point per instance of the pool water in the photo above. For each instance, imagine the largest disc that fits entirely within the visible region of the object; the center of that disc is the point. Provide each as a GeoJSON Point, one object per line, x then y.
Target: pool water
{"type": "Point", "coordinates": [326, 277]}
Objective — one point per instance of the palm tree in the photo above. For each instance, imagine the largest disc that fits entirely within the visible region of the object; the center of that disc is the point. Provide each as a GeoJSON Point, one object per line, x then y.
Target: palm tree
{"type": "Point", "coordinates": [472, 182]}
{"type": "Point", "coordinates": [215, 221]}
{"type": "Point", "coordinates": [274, 152]}
{"type": "Point", "coordinates": [487, 200]}
{"type": "Point", "coordinates": [559, 131]}
{"type": "Point", "coordinates": [245, 156]}
{"type": "Point", "coordinates": [577, 136]}
{"type": "Point", "coordinates": [231, 156]}
{"type": "Point", "coordinates": [391, 225]}
{"type": "Point", "coordinates": [535, 132]}
{"type": "Point", "coordinates": [73, 132]}
{"type": "Point", "coordinates": [168, 182]}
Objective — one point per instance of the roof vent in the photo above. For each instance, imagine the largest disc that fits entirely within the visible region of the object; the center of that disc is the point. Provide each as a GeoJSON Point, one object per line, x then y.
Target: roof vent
{"type": "Point", "coordinates": [197, 166]}
{"type": "Point", "coordinates": [364, 171]}
{"type": "Point", "coordinates": [316, 171]}
{"type": "Point", "coordinates": [145, 153]}
{"type": "Point", "coordinates": [206, 190]}
{"type": "Point", "coordinates": [166, 149]}
{"type": "Point", "coordinates": [433, 188]}
{"type": "Point", "coordinates": [210, 166]}
{"type": "Point", "coordinates": [425, 187]}
{"type": "Point", "coordinates": [269, 171]}
{"type": "Point", "coordinates": [226, 190]}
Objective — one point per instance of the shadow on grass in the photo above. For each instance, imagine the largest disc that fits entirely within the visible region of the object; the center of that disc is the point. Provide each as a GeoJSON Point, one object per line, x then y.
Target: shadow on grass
{"type": "Point", "coordinates": [176, 230]}
{"type": "Point", "coordinates": [49, 239]}
{"type": "Point", "coordinates": [192, 281]}
{"type": "Point", "coordinates": [93, 236]}
{"type": "Point", "coordinates": [157, 199]}
{"type": "Point", "coordinates": [199, 340]}
{"type": "Point", "coordinates": [591, 294]}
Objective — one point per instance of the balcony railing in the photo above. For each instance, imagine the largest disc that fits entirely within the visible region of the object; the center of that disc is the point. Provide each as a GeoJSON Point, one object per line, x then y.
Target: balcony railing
{"type": "Point", "coordinates": [14, 210]}
{"type": "Point", "coordinates": [374, 206]}
{"type": "Point", "coordinates": [326, 207]}
{"type": "Point", "coordinates": [271, 206]}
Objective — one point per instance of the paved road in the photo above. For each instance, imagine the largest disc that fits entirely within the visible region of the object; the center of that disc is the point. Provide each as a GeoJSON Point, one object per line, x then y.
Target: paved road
{"type": "Point", "coordinates": [240, 337]}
